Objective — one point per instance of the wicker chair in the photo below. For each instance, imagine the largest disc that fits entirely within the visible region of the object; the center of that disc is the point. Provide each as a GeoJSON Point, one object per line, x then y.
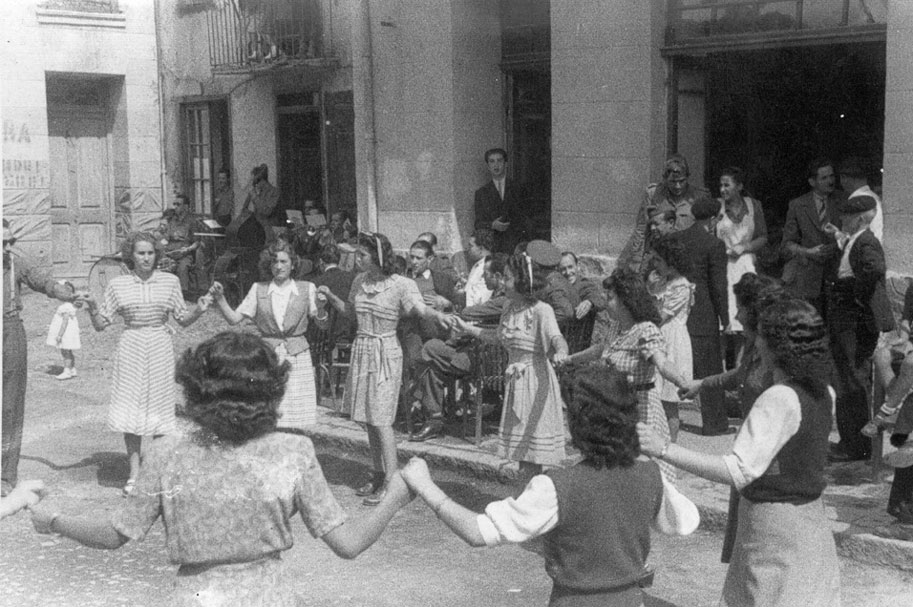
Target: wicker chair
{"type": "Point", "coordinates": [486, 373]}
{"type": "Point", "coordinates": [321, 343]}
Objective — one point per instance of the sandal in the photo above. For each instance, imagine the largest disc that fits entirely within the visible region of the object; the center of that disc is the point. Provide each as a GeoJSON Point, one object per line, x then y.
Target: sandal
{"type": "Point", "coordinates": [129, 488]}
{"type": "Point", "coordinates": [374, 483]}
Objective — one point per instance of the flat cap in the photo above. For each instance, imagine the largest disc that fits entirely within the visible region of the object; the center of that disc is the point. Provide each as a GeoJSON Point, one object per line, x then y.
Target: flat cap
{"type": "Point", "coordinates": [543, 253]}
{"type": "Point", "coordinates": [857, 204]}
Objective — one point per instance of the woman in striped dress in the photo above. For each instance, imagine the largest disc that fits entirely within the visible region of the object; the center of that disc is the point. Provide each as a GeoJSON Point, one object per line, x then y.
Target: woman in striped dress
{"type": "Point", "coordinates": [142, 385]}
{"type": "Point", "coordinates": [281, 310]}
{"type": "Point", "coordinates": [378, 299]}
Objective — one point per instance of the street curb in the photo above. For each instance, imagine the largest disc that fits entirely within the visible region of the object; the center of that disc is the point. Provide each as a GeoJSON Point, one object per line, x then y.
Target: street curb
{"type": "Point", "coordinates": [852, 542]}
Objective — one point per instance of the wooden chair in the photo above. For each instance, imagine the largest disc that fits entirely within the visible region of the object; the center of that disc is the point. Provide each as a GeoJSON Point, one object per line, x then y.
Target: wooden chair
{"type": "Point", "coordinates": [322, 344]}
{"type": "Point", "coordinates": [488, 363]}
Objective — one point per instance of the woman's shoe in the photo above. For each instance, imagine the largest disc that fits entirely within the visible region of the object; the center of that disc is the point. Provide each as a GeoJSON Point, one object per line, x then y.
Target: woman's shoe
{"type": "Point", "coordinates": [377, 497]}
{"type": "Point", "coordinates": [67, 374]}
{"type": "Point", "coordinates": [129, 488]}
{"type": "Point", "coordinates": [371, 487]}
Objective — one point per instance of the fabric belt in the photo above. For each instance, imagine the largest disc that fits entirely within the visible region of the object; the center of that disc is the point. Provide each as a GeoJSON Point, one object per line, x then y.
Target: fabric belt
{"type": "Point", "coordinates": [646, 387]}
{"type": "Point", "coordinates": [380, 363]}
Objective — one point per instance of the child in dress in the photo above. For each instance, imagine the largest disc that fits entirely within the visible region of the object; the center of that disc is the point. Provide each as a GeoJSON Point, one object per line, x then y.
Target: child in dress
{"type": "Point", "coordinates": [674, 297]}
{"type": "Point", "coordinates": [63, 333]}
{"type": "Point", "coordinates": [532, 418]}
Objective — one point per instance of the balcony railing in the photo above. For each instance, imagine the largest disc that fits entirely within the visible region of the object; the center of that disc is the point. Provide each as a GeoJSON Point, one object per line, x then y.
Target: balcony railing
{"type": "Point", "coordinates": [250, 34]}
{"type": "Point", "coordinates": [695, 21]}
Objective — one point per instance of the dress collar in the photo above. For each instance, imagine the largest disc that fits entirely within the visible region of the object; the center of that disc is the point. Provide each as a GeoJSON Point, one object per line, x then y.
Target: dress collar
{"type": "Point", "coordinates": [289, 287]}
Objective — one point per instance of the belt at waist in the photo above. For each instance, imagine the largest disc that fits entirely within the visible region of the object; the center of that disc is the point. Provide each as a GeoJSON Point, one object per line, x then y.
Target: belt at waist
{"type": "Point", "coordinates": [197, 568]}
{"type": "Point", "coordinates": [369, 335]}
{"type": "Point", "coordinates": [645, 387]}
{"type": "Point", "coordinates": [379, 363]}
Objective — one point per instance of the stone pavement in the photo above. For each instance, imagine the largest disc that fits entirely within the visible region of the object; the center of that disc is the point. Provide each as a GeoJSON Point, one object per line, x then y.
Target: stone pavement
{"type": "Point", "coordinates": [854, 501]}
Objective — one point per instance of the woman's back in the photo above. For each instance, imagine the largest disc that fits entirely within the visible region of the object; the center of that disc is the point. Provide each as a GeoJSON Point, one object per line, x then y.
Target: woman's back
{"type": "Point", "coordinates": [229, 503]}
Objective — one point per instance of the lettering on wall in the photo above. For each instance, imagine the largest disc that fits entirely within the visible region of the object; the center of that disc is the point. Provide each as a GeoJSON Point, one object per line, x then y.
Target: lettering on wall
{"type": "Point", "coordinates": [25, 174]}
{"type": "Point", "coordinates": [16, 133]}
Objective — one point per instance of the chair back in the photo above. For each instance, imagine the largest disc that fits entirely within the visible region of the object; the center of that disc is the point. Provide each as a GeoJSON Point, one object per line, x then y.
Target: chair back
{"type": "Point", "coordinates": [322, 340]}
{"type": "Point", "coordinates": [488, 362]}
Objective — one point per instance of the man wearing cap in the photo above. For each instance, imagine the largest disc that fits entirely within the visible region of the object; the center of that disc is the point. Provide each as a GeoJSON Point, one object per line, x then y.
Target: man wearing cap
{"type": "Point", "coordinates": [558, 291]}
{"type": "Point", "coordinates": [855, 182]}
{"type": "Point", "coordinates": [673, 193]}
{"type": "Point", "coordinates": [17, 270]}
{"type": "Point", "coordinates": [499, 204]}
{"type": "Point", "coordinates": [858, 310]}
{"type": "Point", "coordinates": [808, 241]}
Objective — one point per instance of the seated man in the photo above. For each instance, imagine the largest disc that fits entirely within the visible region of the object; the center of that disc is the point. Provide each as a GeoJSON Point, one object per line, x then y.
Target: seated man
{"type": "Point", "coordinates": [591, 295]}
{"type": "Point", "coordinates": [439, 263]}
{"type": "Point", "coordinates": [442, 361]}
{"type": "Point", "coordinates": [475, 291]}
{"type": "Point", "coordinates": [182, 245]}
{"type": "Point", "coordinates": [558, 292]}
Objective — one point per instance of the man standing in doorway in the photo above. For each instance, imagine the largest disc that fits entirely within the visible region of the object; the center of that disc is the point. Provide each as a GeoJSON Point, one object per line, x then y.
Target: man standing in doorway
{"type": "Point", "coordinates": [17, 270]}
{"type": "Point", "coordinates": [809, 235]}
{"type": "Point", "coordinates": [499, 204]}
{"type": "Point", "coordinates": [673, 193]}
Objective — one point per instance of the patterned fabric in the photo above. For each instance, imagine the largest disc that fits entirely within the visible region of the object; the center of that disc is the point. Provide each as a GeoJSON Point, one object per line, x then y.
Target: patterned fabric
{"type": "Point", "coordinates": [70, 338]}
{"type": "Point", "coordinates": [675, 299]}
{"type": "Point", "coordinates": [142, 385]}
{"type": "Point", "coordinates": [631, 352]}
{"type": "Point", "coordinates": [375, 374]}
{"type": "Point", "coordinates": [532, 419]}
{"type": "Point", "coordinates": [224, 504]}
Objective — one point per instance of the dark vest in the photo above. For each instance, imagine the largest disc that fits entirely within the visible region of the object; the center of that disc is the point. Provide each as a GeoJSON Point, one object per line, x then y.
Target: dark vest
{"type": "Point", "coordinates": [295, 324]}
{"type": "Point", "coordinates": [796, 474]}
{"type": "Point", "coordinates": [602, 538]}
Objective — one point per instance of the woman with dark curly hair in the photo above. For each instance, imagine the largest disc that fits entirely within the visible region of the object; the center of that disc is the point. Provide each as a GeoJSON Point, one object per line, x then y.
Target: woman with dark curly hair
{"type": "Point", "coordinates": [595, 516]}
{"type": "Point", "coordinates": [227, 490]}
{"type": "Point", "coordinates": [784, 550]}
{"type": "Point", "coordinates": [674, 297]}
{"type": "Point", "coordinates": [282, 309]}
{"type": "Point", "coordinates": [142, 384]}
{"type": "Point", "coordinates": [532, 419]}
{"type": "Point", "coordinates": [378, 299]}
{"type": "Point", "coordinates": [635, 346]}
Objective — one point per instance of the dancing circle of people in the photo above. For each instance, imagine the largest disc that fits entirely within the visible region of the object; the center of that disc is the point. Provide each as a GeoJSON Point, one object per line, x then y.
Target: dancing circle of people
{"type": "Point", "coordinates": [689, 271]}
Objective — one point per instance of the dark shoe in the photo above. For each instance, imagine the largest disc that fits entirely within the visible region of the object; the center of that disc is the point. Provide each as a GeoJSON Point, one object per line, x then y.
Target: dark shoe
{"type": "Point", "coordinates": [375, 482]}
{"type": "Point", "coordinates": [721, 432]}
{"type": "Point", "coordinates": [377, 497]}
{"type": "Point", "coordinates": [432, 429]}
{"type": "Point", "coordinates": [842, 457]}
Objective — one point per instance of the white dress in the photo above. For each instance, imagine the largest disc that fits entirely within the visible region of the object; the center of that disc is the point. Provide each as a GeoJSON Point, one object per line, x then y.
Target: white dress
{"type": "Point", "coordinates": [674, 300]}
{"type": "Point", "coordinates": [70, 338]}
{"type": "Point", "coordinates": [732, 234]}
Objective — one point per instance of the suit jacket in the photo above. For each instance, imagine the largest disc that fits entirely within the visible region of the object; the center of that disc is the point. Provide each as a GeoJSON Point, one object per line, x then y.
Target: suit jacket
{"type": "Point", "coordinates": [802, 275]}
{"type": "Point", "coordinates": [708, 273]}
{"type": "Point", "coordinates": [488, 206]}
{"type": "Point", "coordinates": [868, 264]}
{"type": "Point", "coordinates": [339, 282]}
{"type": "Point", "coordinates": [560, 295]}
{"type": "Point", "coordinates": [426, 329]}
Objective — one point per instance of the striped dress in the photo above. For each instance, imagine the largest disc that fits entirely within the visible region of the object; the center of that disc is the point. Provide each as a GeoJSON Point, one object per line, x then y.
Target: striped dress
{"type": "Point", "coordinates": [142, 386]}
{"type": "Point", "coordinates": [376, 372]}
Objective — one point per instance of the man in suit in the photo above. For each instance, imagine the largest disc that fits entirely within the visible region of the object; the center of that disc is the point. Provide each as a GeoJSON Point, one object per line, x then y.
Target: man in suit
{"type": "Point", "coordinates": [674, 193]}
{"type": "Point", "coordinates": [710, 309]}
{"type": "Point", "coordinates": [442, 361]}
{"type": "Point", "coordinates": [558, 291]}
{"type": "Point", "coordinates": [500, 203]}
{"type": "Point", "coordinates": [858, 310]}
{"type": "Point", "coordinates": [339, 282]}
{"type": "Point", "coordinates": [808, 235]}
{"type": "Point", "coordinates": [439, 263]}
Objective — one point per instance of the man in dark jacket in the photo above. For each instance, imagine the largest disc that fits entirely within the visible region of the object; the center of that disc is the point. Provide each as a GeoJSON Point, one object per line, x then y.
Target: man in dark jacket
{"type": "Point", "coordinates": [499, 204]}
{"type": "Point", "coordinates": [339, 282]}
{"type": "Point", "coordinates": [857, 311]}
{"type": "Point", "coordinates": [710, 309]}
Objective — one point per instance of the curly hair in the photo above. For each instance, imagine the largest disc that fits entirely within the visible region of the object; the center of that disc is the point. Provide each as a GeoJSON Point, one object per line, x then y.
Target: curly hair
{"type": "Point", "coordinates": [796, 337]}
{"type": "Point", "coordinates": [672, 251]}
{"type": "Point", "coordinates": [233, 384]}
{"type": "Point", "coordinates": [529, 279]}
{"type": "Point", "coordinates": [754, 293]}
{"type": "Point", "coordinates": [279, 246]}
{"type": "Point", "coordinates": [370, 240]}
{"type": "Point", "coordinates": [602, 416]}
{"type": "Point", "coordinates": [630, 289]}
{"type": "Point", "coordinates": [129, 243]}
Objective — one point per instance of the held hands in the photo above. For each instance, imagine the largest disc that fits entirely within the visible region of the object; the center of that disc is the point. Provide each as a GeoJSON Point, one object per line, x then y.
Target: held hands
{"type": "Point", "coordinates": [500, 226]}
{"type": "Point", "coordinates": [462, 326]}
{"type": "Point", "coordinates": [398, 491]}
{"type": "Point", "coordinates": [416, 474]}
{"type": "Point", "coordinates": [651, 443]}
{"type": "Point", "coordinates": [560, 359]}
{"type": "Point", "coordinates": [217, 291]}
{"type": "Point", "coordinates": [204, 302]}
{"type": "Point", "coordinates": [583, 308]}
{"type": "Point", "coordinates": [690, 390]}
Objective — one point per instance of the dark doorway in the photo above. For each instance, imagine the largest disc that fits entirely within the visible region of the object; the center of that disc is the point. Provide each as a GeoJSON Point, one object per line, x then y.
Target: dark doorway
{"type": "Point", "coordinates": [770, 112]}
{"type": "Point", "coordinates": [300, 172]}
{"type": "Point", "coordinates": [529, 142]}
{"type": "Point", "coordinates": [340, 144]}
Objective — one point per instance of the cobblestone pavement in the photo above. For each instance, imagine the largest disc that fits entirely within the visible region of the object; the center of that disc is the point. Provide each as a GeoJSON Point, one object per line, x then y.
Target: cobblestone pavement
{"type": "Point", "coordinates": [417, 562]}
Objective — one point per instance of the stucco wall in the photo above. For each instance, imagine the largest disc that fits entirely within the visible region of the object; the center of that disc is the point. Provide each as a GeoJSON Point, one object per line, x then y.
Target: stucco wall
{"type": "Point", "coordinates": [123, 51]}
{"type": "Point", "coordinates": [898, 138]}
{"type": "Point", "coordinates": [608, 113]}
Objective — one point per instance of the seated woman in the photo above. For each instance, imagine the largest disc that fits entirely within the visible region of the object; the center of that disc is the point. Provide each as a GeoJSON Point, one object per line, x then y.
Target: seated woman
{"type": "Point", "coordinates": [594, 517]}
{"type": "Point", "coordinates": [228, 489]}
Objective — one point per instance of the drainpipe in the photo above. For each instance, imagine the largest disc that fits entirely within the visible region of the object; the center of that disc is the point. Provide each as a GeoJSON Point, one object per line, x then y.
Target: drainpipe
{"type": "Point", "coordinates": [364, 74]}
{"type": "Point", "coordinates": [163, 173]}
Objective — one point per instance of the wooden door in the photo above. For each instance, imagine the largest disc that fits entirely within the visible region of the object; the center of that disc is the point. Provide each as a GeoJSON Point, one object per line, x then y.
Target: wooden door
{"type": "Point", "coordinates": [81, 193]}
{"type": "Point", "coordinates": [300, 173]}
{"type": "Point", "coordinates": [340, 153]}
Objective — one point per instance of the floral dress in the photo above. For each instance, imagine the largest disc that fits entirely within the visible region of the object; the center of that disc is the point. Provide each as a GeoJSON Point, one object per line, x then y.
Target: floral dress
{"type": "Point", "coordinates": [631, 352]}
{"type": "Point", "coordinates": [227, 511]}
{"type": "Point", "coordinates": [375, 374]}
{"type": "Point", "coordinates": [674, 299]}
{"type": "Point", "coordinates": [532, 419]}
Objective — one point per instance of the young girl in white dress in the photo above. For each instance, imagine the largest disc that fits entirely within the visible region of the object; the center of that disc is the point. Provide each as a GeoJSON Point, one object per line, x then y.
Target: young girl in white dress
{"type": "Point", "coordinates": [63, 333]}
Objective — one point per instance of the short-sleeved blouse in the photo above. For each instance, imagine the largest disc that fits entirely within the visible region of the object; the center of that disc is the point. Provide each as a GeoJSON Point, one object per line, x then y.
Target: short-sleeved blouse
{"type": "Point", "coordinates": [631, 352]}
{"type": "Point", "coordinates": [143, 303]}
{"type": "Point", "coordinates": [223, 503]}
{"type": "Point", "coordinates": [379, 305]}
